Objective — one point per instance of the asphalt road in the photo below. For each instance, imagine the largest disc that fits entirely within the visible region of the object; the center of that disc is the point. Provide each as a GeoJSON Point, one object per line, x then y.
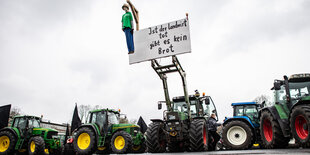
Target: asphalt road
{"type": "Point", "coordinates": [295, 151]}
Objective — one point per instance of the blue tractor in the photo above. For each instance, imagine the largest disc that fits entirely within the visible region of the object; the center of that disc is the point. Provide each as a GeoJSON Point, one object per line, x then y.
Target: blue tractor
{"type": "Point", "coordinates": [242, 130]}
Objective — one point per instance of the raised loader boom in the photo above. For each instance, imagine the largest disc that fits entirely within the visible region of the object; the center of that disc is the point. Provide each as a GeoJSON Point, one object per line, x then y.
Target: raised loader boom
{"type": "Point", "coordinates": [162, 70]}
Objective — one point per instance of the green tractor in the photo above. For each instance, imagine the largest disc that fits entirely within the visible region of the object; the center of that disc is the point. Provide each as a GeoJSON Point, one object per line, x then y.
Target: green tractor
{"type": "Point", "coordinates": [184, 126]}
{"type": "Point", "coordinates": [289, 114]}
{"type": "Point", "coordinates": [103, 133]}
{"type": "Point", "coordinates": [26, 135]}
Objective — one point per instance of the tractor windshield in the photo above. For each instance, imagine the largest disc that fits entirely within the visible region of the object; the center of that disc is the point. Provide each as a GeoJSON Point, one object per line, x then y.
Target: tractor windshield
{"type": "Point", "coordinates": [181, 106]}
{"type": "Point", "coordinates": [98, 118]}
{"type": "Point", "coordinates": [113, 118]}
{"type": "Point", "coordinates": [299, 90]}
{"type": "Point", "coordinates": [33, 123]}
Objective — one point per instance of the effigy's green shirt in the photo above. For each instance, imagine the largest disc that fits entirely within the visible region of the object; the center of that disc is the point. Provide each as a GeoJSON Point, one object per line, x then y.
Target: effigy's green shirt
{"type": "Point", "coordinates": [126, 20]}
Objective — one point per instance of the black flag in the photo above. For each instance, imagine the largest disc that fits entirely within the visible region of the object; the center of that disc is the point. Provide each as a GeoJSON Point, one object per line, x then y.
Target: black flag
{"type": "Point", "coordinates": [4, 115]}
{"type": "Point", "coordinates": [142, 125]}
{"type": "Point", "coordinates": [76, 121]}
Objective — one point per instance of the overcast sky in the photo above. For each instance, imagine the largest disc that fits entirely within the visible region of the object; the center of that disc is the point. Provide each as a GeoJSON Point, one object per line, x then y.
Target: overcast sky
{"type": "Point", "coordinates": [55, 53]}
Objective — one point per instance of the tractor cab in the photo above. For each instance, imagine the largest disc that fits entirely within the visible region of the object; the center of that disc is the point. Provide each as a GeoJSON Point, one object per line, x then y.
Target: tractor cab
{"type": "Point", "coordinates": [26, 122]}
{"type": "Point", "coordinates": [290, 91]}
{"type": "Point", "coordinates": [199, 106]}
{"type": "Point", "coordinates": [27, 125]}
{"type": "Point", "coordinates": [104, 118]}
{"type": "Point", "coordinates": [248, 110]}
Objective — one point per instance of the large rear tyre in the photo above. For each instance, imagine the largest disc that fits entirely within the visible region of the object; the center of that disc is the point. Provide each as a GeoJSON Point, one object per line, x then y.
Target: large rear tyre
{"type": "Point", "coordinates": [271, 133]}
{"type": "Point", "coordinates": [7, 142]}
{"type": "Point", "coordinates": [155, 138]}
{"type": "Point", "coordinates": [84, 141]}
{"type": "Point", "coordinates": [237, 135]}
{"type": "Point", "coordinates": [36, 146]}
{"type": "Point", "coordinates": [121, 142]}
{"type": "Point", "coordinates": [300, 124]}
{"type": "Point", "coordinates": [198, 135]}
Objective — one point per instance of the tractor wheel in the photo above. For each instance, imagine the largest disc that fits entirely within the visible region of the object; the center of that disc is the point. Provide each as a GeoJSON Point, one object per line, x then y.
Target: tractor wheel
{"type": "Point", "coordinates": [84, 141]}
{"type": "Point", "coordinates": [198, 135]}
{"type": "Point", "coordinates": [271, 133]}
{"type": "Point", "coordinates": [237, 135]}
{"type": "Point", "coordinates": [36, 146]}
{"type": "Point", "coordinates": [300, 125]}
{"type": "Point", "coordinates": [155, 138]}
{"type": "Point", "coordinates": [121, 142]}
{"type": "Point", "coordinates": [7, 142]}
{"type": "Point", "coordinates": [139, 148]}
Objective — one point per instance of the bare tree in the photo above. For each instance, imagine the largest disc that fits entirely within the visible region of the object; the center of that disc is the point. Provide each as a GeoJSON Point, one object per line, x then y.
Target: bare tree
{"type": "Point", "coordinates": [260, 99]}
{"type": "Point", "coordinates": [15, 111]}
{"type": "Point", "coordinates": [123, 119]}
{"type": "Point", "coordinates": [83, 112]}
{"type": "Point", "coordinates": [133, 121]}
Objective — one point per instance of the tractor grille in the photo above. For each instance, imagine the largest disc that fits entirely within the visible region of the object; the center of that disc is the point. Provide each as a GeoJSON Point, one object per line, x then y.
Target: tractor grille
{"type": "Point", "coordinates": [50, 134]}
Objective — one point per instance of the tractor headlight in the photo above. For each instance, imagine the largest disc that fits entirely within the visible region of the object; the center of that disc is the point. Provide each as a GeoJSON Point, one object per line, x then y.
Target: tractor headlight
{"type": "Point", "coordinates": [177, 123]}
{"type": "Point", "coordinates": [169, 123]}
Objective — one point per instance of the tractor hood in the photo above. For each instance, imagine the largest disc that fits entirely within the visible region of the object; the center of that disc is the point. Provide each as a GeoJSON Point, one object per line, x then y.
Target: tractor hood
{"type": "Point", "coordinates": [41, 130]}
{"type": "Point", "coordinates": [123, 126]}
{"type": "Point", "coordinates": [306, 98]}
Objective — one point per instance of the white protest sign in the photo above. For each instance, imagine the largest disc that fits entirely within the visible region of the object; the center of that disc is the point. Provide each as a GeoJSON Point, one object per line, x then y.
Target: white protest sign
{"type": "Point", "coordinates": [161, 41]}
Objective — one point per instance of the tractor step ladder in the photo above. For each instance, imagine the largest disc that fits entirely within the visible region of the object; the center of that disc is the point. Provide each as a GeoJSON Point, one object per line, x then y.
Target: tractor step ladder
{"type": "Point", "coordinates": [101, 141]}
{"type": "Point", "coordinates": [171, 68]}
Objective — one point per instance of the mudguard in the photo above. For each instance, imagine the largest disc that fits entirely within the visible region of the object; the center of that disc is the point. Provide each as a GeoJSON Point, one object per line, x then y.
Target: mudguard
{"type": "Point", "coordinates": [284, 124]}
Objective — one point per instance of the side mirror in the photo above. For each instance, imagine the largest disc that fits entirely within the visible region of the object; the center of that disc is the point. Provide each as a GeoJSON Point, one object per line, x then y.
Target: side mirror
{"type": "Point", "coordinates": [207, 101]}
{"type": "Point", "coordinates": [263, 104]}
{"type": "Point", "coordinates": [159, 105]}
{"type": "Point", "coordinates": [277, 85]}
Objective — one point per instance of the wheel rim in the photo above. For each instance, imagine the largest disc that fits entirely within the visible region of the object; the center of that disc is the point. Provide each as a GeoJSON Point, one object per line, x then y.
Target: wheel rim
{"type": "Point", "coordinates": [119, 142]}
{"type": "Point", "coordinates": [4, 143]}
{"type": "Point", "coordinates": [267, 130]}
{"type": "Point", "coordinates": [136, 147]}
{"type": "Point", "coordinates": [236, 135]}
{"type": "Point", "coordinates": [83, 141]}
{"type": "Point", "coordinates": [204, 136]}
{"type": "Point", "coordinates": [301, 127]}
{"type": "Point", "coordinates": [102, 148]}
{"type": "Point", "coordinates": [32, 146]}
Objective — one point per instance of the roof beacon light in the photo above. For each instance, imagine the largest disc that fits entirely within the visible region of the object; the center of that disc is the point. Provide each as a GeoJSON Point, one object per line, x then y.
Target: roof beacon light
{"type": "Point", "coordinates": [203, 94]}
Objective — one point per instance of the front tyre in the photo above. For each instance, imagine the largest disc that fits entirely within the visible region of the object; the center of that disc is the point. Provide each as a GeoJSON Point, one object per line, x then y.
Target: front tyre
{"type": "Point", "coordinates": [271, 133]}
{"type": "Point", "coordinates": [155, 138]}
{"type": "Point", "coordinates": [7, 142]}
{"type": "Point", "coordinates": [300, 124]}
{"type": "Point", "coordinates": [84, 141]}
{"type": "Point", "coordinates": [198, 135]}
{"type": "Point", "coordinates": [237, 135]}
{"type": "Point", "coordinates": [121, 142]}
{"type": "Point", "coordinates": [36, 146]}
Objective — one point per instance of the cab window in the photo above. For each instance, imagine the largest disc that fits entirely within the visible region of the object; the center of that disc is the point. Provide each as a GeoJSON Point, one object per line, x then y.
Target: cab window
{"type": "Point", "coordinates": [238, 111]}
